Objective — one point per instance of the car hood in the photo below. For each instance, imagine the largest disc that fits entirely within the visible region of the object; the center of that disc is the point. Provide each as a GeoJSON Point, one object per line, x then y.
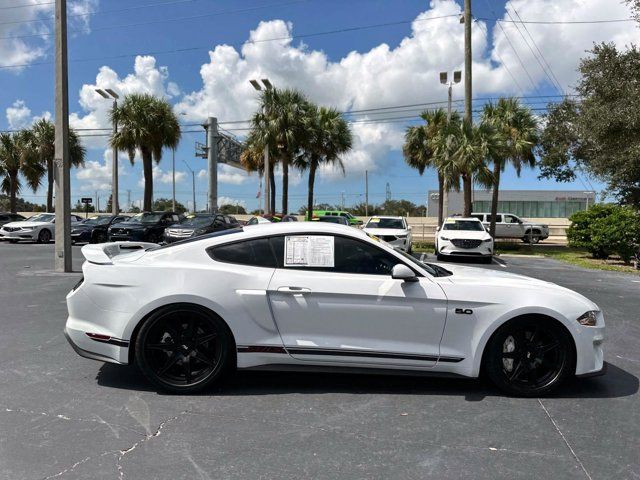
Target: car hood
{"type": "Point", "coordinates": [464, 234]}
{"type": "Point", "coordinates": [26, 224]}
{"type": "Point", "coordinates": [385, 231]}
{"type": "Point", "coordinates": [471, 276]}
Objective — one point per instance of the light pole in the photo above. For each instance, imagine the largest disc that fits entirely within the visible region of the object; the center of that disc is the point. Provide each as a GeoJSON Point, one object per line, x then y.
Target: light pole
{"type": "Point", "coordinates": [457, 77]}
{"type": "Point", "coordinates": [115, 207]}
{"type": "Point", "coordinates": [193, 183]}
{"type": "Point", "coordinates": [267, 185]}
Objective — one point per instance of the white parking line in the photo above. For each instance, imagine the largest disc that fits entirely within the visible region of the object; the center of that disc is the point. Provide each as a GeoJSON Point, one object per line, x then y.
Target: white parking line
{"type": "Point", "coordinates": [500, 262]}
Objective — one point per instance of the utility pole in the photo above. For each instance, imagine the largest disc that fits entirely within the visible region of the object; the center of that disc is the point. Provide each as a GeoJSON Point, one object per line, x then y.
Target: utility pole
{"type": "Point", "coordinates": [115, 204]}
{"type": "Point", "coordinates": [366, 193]}
{"type": "Point", "coordinates": [444, 79]}
{"type": "Point", "coordinates": [467, 61]}
{"type": "Point", "coordinates": [173, 170]}
{"type": "Point", "coordinates": [62, 259]}
{"type": "Point", "coordinates": [97, 202]}
{"type": "Point", "coordinates": [342, 200]}
{"type": "Point", "coordinates": [212, 163]}
{"type": "Point", "coordinates": [269, 208]}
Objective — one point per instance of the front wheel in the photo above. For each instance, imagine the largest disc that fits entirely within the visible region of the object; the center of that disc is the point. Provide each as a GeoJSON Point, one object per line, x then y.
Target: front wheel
{"type": "Point", "coordinates": [183, 349]}
{"type": "Point", "coordinates": [529, 357]}
{"type": "Point", "coordinates": [44, 236]}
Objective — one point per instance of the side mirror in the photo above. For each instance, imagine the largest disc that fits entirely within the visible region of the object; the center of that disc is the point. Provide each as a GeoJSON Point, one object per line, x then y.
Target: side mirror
{"type": "Point", "coordinates": [402, 272]}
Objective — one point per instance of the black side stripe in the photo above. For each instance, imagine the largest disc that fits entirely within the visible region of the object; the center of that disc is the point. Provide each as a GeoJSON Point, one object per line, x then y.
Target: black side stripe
{"type": "Point", "coordinates": [112, 341]}
{"type": "Point", "coordinates": [338, 352]}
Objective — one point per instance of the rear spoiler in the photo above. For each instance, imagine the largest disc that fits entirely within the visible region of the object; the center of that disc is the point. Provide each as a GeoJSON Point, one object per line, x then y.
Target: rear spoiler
{"type": "Point", "coordinates": [103, 253]}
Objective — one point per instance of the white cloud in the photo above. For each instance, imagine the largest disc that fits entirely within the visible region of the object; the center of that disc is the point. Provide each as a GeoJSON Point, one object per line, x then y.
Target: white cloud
{"type": "Point", "coordinates": [202, 173]}
{"type": "Point", "coordinates": [147, 77]}
{"type": "Point", "coordinates": [231, 201]}
{"type": "Point", "coordinates": [18, 115]}
{"type": "Point", "coordinates": [29, 39]}
{"type": "Point", "coordinates": [403, 74]}
{"type": "Point", "coordinates": [163, 176]}
{"type": "Point", "coordinates": [96, 175]}
{"type": "Point", "coordinates": [227, 174]}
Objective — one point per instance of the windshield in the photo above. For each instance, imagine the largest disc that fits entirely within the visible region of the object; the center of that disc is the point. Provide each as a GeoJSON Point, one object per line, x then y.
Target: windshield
{"type": "Point", "coordinates": [385, 223]}
{"type": "Point", "coordinates": [43, 217]}
{"type": "Point", "coordinates": [146, 217]}
{"type": "Point", "coordinates": [93, 221]}
{"type": "Point", "coordinates": [473, 225]}
{"type": "Point", "coordinates": [197, 222]}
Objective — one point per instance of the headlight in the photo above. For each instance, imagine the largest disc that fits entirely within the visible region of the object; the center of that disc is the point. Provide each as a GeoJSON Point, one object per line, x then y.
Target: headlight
{"type": "Point", "coordinates": [27, 229]}
{"type": "Point", "coordinates": [444, 238]}
{"type": "Point", "coordinates": [202, 231]}
{"type": "Point", "coordinates": [588, 319]}
{"type": "Point", "coordinates": [488, 239]}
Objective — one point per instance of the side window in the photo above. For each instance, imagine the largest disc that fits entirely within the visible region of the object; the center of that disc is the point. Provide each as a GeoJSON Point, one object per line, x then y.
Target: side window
{"type": "Point", "coordinates": [218, 222]}
{"type": "Point", "coordinates": [510, 219]}
{"type": "Point", "coordinates": [256, 253]}
{"type": "Point", "coordinates": [498, 218]}
{"type": "Point", "coordinates": [479, 217]}
{"type": "Point", "coordinates": [343, 214]}
{"type": "Point", "coordinates": [4, 218]}
{"type": "Point", "coordinates": [351, 256]}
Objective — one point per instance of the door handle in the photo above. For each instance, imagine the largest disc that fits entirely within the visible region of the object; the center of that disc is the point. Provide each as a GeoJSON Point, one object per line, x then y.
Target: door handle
{"type": "Point", "coordinates": [294, 290]}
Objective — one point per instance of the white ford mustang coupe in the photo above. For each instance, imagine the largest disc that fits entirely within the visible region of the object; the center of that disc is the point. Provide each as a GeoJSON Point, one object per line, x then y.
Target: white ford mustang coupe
{"type": "Point", "coordinates": [323, 296]}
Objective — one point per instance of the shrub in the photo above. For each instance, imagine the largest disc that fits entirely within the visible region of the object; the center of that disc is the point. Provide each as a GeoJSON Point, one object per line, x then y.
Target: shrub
{"type": "Point", "coordinates": [604, 230]}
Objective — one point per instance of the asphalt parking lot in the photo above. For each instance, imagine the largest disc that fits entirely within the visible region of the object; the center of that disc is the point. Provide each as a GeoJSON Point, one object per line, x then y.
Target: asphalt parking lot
{"type": "Point", "coordinates": [62, 416]}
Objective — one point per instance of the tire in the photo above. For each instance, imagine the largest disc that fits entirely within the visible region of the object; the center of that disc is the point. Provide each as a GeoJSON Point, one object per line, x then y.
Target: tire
{"type": "Point", "coordinates": [153, 238]}
{"type": "Point", "coordinates": [530, 356]}
{"type": "Point", "coordinates": [531, 238]}
{"type": "Point", "coordinates": [439, 257]}
{"type": "Point", "coordinates": [487, 260]}
{"type": "Point", "coordinates": [410, 249]}
{"type": "Point", "coordinates": [184, 349]}
{"type": "Point", "coordinates": [44, 236]}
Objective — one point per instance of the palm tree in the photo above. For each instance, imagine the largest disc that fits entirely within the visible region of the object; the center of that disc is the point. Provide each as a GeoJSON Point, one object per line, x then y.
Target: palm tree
{"type": "Point", "coordinates": [43, 134]}
{"type": "Point", "coordinates": [252, 159]}
{"type": "Point", "coordinates": [15, 158]}
{"type": "Point", "coordinates": [427, 146]}
{"type": "Point", "coordinates": [146, 124]}
{"type": "Point", "coordinates": [327, 138]}
{"type": "Point", "coordinates": [473, 145]}
{"type": "Point", "coordinates": [279, 124]}
{"type": "Point", "coordinates": [519, 130]}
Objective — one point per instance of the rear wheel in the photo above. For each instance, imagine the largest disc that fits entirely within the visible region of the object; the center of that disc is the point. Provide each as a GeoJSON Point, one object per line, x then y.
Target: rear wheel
{"type": "Point", "coordinates": [183, 349]}
{"type": "Point", "coordinates": [99, 237]}
{"type": "Point", "coordinates": [44, 236]}
{"type": "Point", "coordinates": [530, 357]}
{"type": "Point", "coordinates": [531, 237]}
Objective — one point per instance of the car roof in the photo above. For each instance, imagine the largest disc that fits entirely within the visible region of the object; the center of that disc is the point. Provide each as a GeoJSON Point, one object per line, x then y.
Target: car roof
{"type": "Point", "coordinates": [471, 219]}
{"type": "Point", "coordinates": [387, 216]}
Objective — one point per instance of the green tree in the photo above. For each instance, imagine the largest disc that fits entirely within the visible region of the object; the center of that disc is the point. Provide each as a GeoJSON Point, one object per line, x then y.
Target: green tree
{"type": "Point", "coordinates": [252, 159]}
{"type": "Point", "coordinates": [148, 124]}
{"type": "Point", "coordinates": [279, 126]}
{"type": "Point", "coordinates": [473, 144]}
{"type": "Point", "coordinates": [16, 157]}
{"type": "Point", "coordinates": [41, 140]}
{"type": "Point", "coordinates": [401, 208]}
{"type": "Point", "coordinates": [599, 135]}
{"type": "Point", "coordinates": [229, 209]}
{"type": "Point", "coordinates": [518, 129]}
{"type": "Point", "coordinates": [327, 138]}
{"type": "Point", "coordinates": [166, 205]}
{"type": "Point", "coordinates": [421, 145]}
{"type": "Point", "coordinates": [362, 209]}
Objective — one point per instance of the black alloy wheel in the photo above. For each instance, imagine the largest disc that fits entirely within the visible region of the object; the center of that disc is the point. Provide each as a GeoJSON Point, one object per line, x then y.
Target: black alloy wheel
{"type": "Point", "coordinates": [183, 349]}
{"type": "Point", "coordinates": [44, 236]}
{"type": "Point", "coordinates": [530, 357]}
{"type": "Point", "coordinates": [99, 237]}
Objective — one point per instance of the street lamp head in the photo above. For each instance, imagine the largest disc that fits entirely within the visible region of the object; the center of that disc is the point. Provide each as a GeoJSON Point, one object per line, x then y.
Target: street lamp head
{"type": "Point", "coordinates": [457, 76]}
{"type": "Point", "coordinates": [267, 83]}
{"type": "Point", "coordinates": [443, 77]}
{"type": "Point", "coordinates": [255, 84]}
{"type": "Point", "coordinates": [102, 93]}
{"type": "Point", "coordinates": [112, 93]}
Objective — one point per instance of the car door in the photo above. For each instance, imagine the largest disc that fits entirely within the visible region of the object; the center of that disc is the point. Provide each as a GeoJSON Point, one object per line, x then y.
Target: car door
{"type": "Point", "coordinates": [354, 312]}
{"type": "Point", "coordinates": [500, 227]}
{"type": "Point", "coordinates": [514, 225]}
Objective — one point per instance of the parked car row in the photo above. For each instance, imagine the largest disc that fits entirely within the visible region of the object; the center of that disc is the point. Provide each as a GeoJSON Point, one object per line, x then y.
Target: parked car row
{"type": "Point", "coordinates": [40, 228]}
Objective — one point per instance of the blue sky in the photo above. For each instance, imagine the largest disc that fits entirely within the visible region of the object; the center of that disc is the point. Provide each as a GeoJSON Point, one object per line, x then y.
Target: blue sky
{"type": "Point", "coordinates": [367, 68]}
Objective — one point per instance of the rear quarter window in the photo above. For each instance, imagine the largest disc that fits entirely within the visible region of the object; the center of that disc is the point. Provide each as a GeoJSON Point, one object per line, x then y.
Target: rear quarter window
{"type": "Point", "coordinates": [256, 253]}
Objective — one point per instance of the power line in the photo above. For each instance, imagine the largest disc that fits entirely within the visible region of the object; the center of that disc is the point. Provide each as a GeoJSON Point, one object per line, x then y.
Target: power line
{"type": "Point", "coordinates": [248, 42]}
{"type": "Point", "coordinates": [164, 20]}
{"type": "Point", "coordinates": [535, 87]}
{"type": "Point", "coordinates": [559, 22]}
{"type": "Point", "coordinates": [27, 5]}
{"type": "Point", "coordinates": [98, 12]}
{"type": "Point", "coordinates": [560, 89]}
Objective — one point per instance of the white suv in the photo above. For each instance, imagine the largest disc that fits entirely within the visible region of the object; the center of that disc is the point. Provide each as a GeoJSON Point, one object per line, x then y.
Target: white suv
{"type": "Point", "coordinates": [393, 230]}
{"type": "Point", "coordinates": [460, 236]}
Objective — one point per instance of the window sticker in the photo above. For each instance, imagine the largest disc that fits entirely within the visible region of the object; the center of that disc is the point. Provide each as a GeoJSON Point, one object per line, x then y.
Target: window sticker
{"type": "Point", "coordinates": [374, 220]}
{"type": "Point", "coordinates": [309, 251]}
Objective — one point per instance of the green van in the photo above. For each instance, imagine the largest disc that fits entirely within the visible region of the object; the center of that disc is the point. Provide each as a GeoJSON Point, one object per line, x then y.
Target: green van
{"type": "Point", "coordinates": [337, 213]}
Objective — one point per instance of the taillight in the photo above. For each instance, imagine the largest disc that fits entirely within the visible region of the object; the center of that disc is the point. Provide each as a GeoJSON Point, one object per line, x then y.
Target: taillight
{"type": "Point", "coordinates": [77, 285]}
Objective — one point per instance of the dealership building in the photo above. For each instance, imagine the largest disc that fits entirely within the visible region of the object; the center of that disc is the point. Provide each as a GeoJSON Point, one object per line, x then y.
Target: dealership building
{"type": "Point", "coordinates": [524, 203]}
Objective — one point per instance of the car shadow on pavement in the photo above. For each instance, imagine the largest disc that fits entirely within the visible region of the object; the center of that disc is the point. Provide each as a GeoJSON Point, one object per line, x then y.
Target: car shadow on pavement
{"type": "Point", "coordinates": [616, 383]}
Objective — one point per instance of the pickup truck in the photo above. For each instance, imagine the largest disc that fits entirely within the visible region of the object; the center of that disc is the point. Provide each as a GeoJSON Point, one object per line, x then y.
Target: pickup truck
{"type": "Point", "coordinates": [512, 226]}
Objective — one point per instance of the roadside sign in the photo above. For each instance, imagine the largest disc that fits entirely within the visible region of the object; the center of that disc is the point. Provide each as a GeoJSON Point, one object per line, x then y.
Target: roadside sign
{"type": "Point", "coordinates": [87, 200]}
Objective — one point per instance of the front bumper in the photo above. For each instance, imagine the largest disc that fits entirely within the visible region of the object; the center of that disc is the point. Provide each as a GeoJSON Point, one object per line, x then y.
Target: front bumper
{"type": "Point", "coordinates": [173, 238]}
{"type": "Point", "coordinates": [590, 354]}
{"type": "Point", "coordinates": [18, 235]}
{"type": "Point", "coordinates": [132, 236]}
{"type": "Point", "coordinates": [485, 249]}
{"type": "Point", "coordinates": [84, 236]}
